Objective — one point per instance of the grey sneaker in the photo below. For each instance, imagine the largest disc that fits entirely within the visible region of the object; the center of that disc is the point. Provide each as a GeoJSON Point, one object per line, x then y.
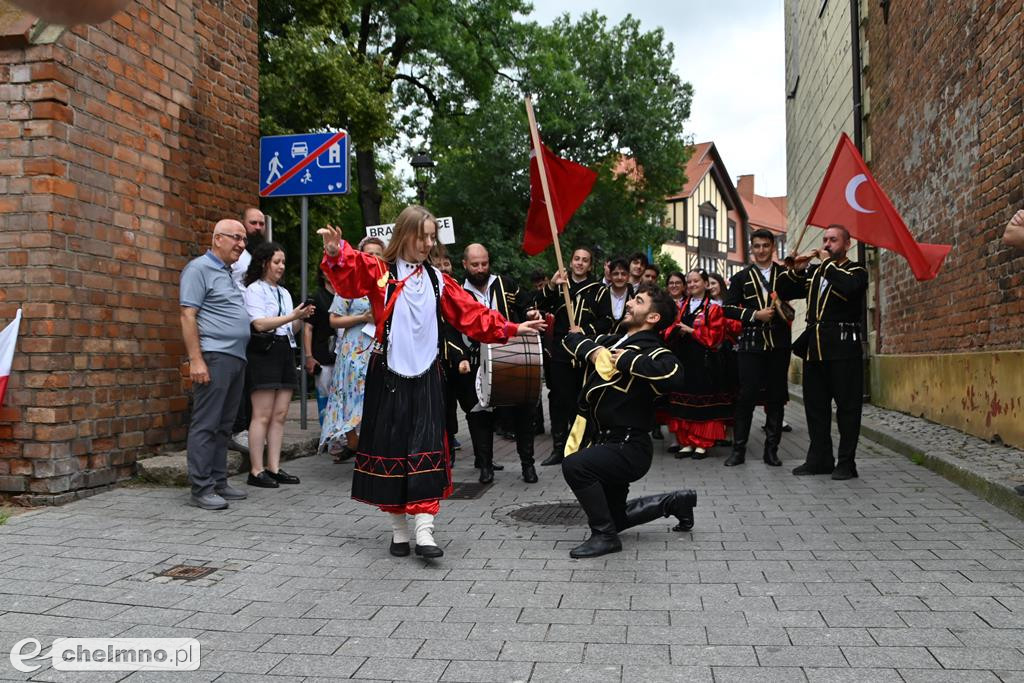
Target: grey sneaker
{"type": "Point", "coordinates": [229, 492]}
{"type": "Point", "coordinates": [209, 501]}
{"type": "Point", "coordinates": [240, 442]}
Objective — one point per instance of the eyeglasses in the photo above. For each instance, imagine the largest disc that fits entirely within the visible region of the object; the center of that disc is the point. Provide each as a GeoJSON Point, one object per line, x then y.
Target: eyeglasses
{"type": "Point", "coordinates": [236, 238]}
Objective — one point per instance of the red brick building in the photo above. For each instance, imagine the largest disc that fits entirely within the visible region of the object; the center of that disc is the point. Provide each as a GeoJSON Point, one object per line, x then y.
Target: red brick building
{"type": "Point", "coordinates": [944, 126]}
{"type": "Point", "coordinates": [120, 144]}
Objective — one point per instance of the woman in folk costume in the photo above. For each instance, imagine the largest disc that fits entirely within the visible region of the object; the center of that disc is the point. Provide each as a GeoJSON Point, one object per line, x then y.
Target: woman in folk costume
{"type": "Point", "coordinates": [699, 415]}
{"type": "Point", "coordinates": [403, 462]}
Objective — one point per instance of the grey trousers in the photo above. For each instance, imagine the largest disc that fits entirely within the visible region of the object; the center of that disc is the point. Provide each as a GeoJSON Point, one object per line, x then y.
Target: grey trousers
{"type": "Point", "coordinates": [214, 406]}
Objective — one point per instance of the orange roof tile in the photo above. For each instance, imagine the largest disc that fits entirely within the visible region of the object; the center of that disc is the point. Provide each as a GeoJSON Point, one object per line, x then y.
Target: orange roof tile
{"type": "Point", "coordinates": [697, 166]}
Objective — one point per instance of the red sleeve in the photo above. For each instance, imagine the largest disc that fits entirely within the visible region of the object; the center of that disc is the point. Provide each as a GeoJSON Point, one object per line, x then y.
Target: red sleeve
{"type": "Point", "coordinates": [672, 330]}
{"type": "Point", "coordinates": [355, 274]}
{"type": "Point", "coordinates": [471, 318]}
{"type": "Point", "coordinates": [711, 331]}
{"type": "Point", "coordinates": [733, 329]}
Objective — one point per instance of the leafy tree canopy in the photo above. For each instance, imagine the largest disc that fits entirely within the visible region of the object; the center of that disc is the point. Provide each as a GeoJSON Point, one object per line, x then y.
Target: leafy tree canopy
{"type": "Point", "coordinates": [606, 97]}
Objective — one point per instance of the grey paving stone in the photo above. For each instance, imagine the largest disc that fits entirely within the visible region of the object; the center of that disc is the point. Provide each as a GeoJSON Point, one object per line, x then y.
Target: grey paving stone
{"type": "Point", "coordinates": [585, 673]}
{"type": "Point", "coordinates": [241, 662]}
{"type": "Point", "coordinates": [587, 633]}
{"type": "Point", "coordinates": [298, 644]}
{"type": "Point", "coordinates": [861, 675]}
{"type": "Point", "coordinates": [328, 666]}
{"type": "Point", "coordinates": [402, 669]}
{"type": "Point", "coordinates": [952, 676]}
{"type": "Point", "coordinates": [400, 648]}
{"type": "Point", "coordinates": [542, 652]}
{"type": "Point", "coordinates": [756, 674]}
{"type": "Point", "coordinates": [464, 650]}
{"type": "Point", "coordinates": [713, 655]}
{"type": "Point", "coordinates": [644, 673]}
{"type": "Point", "coordinates": [487, 672]}
{"type": "Point", "coordinates": [889, 657]}
{"type": "Point", "coordinates": [829, 636]}
{"type": "Point", "coordinates": [979, 658]}
{"type": "Point", "coordinates": [751, 635]}
{"type": "Point", "coordinates": [498, 631]}
{"type": "Point", "coordinates": [802, 656]}
{"type": "Point", "coordinates": [607, 653]}
{"type": "Point", "coordinates": [924, 636]}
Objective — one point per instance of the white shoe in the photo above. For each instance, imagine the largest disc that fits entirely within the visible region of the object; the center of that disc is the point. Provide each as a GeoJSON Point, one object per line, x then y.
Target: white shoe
{"type": "Point", "coordinates": [425, 545]}
{"type": "Point", "coordinates": [240, 442]}
{"type": "Point", "coordinates": [686, 449]}
{"type": "Point", "coordinates": [700, 451]}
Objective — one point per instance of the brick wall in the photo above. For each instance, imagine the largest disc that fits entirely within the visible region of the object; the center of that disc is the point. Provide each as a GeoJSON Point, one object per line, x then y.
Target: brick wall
{"type": "Point", "coordinates": [120, 144]}
{"type": "Point", "coordinates": [946, 127]}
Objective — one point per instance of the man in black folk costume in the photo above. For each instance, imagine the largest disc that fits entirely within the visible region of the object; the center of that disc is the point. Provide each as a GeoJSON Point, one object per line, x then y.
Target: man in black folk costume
{"type": "Point", "coordinates": [764, 347]}
{"type": "Point", "coordinates": [505, 297]}
{"type": "Point", "coordinates": [610, 443]}
{"type": "Point", "coordinates": [565, 373]}
{"type": "Point", "coordinates": [403, 462]}
{"type": "Point", "coordinates": [832, 349]}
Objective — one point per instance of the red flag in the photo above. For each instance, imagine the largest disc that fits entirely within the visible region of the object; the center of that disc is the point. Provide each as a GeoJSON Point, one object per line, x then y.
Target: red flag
{"type": "Point", "coordinates": [867, 212]}
{"type": "Point", "coordinates": [569, 184]}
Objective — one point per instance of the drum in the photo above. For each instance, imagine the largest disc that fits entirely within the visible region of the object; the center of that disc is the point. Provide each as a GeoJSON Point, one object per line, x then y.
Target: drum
{"type": "Point", "coordinates": [510, 374]}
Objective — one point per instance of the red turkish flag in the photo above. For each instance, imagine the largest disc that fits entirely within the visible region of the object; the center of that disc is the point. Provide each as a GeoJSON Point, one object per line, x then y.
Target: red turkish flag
{"type": "Point", "coordinates": [569, 184]}
{"type": "Point", "coordinates": [867, 212]}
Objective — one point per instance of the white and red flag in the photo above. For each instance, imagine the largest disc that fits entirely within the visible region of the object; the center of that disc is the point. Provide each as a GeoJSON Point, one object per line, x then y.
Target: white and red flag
{"type": "Point", "coordinates": [8, 338]}
{"type": "Point", "coordinates": [867, 213]}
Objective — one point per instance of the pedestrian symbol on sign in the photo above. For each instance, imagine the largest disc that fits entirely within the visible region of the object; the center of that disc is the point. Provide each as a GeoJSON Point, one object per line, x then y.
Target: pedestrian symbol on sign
{"type": "Point", "coordinates": [274, 167]}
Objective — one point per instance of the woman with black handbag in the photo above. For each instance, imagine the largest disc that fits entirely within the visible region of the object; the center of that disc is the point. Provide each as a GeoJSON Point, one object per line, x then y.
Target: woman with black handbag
{"type": "Point", "coordinates": [271, 361]}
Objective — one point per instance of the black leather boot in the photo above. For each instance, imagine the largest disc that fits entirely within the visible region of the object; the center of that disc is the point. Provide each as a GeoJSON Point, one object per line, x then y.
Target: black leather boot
{"type": "Point", "coordinates": [740, 435]}
{"type": "Point", "coordinates": [772, 435]}
{"type": "Point", "coordinates": [603, 537]}
{"type": "Point", "coordinates": [679, 504]}
{"type": "Point", "coordinates": [480, 431]}
{"type": "Point", "coordinates": [558, 451]}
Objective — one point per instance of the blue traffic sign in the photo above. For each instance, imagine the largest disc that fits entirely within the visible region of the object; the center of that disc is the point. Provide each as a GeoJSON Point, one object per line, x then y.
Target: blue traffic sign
{"type": "Point", "coordinates": [313, 163]}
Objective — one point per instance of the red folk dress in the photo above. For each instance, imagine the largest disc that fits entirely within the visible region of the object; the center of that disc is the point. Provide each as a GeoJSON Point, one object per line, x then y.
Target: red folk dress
{"type": "Point", "coordinates": [699, 415]}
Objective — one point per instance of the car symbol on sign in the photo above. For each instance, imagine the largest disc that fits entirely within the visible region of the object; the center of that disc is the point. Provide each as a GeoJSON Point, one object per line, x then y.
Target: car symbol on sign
{"type": "Point", "coordinates": [299, 149]}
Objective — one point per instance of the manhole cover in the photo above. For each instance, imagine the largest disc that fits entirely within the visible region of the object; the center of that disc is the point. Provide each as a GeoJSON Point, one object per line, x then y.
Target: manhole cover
{"type": "Point", "coordinates": [188, 572]}
{"type": "Point", "coordinates": [550, 514]}
{"type": "Point", "coordinates": [469, 490]}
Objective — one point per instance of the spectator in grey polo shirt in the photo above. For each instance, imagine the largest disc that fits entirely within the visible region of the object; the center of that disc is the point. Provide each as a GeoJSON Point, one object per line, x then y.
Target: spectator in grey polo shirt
{"type": "Point", "coordinates": [215, 326]}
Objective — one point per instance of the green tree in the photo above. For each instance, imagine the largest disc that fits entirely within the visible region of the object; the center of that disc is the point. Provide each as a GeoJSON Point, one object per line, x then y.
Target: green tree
{"type": "Point", "coordinates": [364, 66]}
{"type": "Point", "coordinates": [604, 95]}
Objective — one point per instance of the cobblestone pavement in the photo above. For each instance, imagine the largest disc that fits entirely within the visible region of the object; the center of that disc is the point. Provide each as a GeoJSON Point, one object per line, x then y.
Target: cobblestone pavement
{"type": "Point", "coordinates": [899, 575]}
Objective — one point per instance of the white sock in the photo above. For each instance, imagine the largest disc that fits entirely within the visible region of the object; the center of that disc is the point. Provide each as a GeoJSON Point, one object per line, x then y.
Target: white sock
{"type": "Point", "coordinates": [424, 529]}
{"type": "Point", "coordinates": [399, 527]}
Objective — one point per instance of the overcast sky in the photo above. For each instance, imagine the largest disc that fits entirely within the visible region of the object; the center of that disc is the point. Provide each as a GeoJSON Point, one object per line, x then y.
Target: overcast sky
{"type": "Point", "coordinates": [733, 53]}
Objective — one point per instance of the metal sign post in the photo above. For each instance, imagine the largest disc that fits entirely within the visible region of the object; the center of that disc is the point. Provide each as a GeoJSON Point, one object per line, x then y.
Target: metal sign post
{"type": "Point", "coordinates": [300, 166]}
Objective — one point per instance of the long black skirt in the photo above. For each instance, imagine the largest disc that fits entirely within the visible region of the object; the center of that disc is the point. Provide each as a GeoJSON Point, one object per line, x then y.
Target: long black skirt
{"type": "Point", "coordinates": [403, 454]}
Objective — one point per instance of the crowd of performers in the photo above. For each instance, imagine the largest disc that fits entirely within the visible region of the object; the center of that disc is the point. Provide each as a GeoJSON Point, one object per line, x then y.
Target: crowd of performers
{"type": "Point", "coordinates": [696, 356]}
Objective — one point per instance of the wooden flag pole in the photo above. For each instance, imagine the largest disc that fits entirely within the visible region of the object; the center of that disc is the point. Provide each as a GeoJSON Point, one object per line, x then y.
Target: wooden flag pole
{"type": "Point", "coordinates": [535, 137]}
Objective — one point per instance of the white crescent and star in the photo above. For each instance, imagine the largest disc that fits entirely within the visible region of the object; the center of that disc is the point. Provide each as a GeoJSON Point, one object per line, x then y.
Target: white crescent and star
{"type": "Point", "coordinates": [851, 193]}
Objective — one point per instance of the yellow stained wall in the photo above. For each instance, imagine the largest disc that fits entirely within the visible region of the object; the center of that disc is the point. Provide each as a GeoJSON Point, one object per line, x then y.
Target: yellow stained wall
{"type": "Point", "coordinates": [979, 393]}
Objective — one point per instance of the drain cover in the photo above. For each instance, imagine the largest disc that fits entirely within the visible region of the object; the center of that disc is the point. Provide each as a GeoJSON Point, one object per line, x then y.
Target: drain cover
{"type": "Point", "coordinates": [188, 572]}
{"type": "Point", "coordinates": [550, 514]}
{"type": "Point", "coordinates": [469, 490]}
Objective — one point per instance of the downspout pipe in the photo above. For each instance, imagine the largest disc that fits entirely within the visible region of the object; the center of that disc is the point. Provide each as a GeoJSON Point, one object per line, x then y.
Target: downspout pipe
{"type": "Point", "coordinates": [858, 140]}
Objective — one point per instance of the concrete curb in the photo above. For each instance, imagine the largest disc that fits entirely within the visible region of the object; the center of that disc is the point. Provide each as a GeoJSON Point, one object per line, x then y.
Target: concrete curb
{"type": "Point", "coordinates": [986, 484]}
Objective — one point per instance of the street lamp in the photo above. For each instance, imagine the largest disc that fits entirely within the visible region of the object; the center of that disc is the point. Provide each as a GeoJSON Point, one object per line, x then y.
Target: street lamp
{"type": "Point", "coordinates": [423, 167]}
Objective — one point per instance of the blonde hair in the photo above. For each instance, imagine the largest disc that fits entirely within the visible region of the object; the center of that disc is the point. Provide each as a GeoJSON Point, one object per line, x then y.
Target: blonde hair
{"type": "Point", "coordinates": [408, 226]}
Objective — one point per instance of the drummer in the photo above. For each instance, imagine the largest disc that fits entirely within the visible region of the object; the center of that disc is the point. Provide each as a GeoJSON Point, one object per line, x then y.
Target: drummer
{"type": "Point", "coordinates": [504, 296]}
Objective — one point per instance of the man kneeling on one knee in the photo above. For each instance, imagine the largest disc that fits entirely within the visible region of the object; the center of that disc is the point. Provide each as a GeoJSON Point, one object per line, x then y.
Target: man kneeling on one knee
{"type": "Point", "coordinates": [610, 443]}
